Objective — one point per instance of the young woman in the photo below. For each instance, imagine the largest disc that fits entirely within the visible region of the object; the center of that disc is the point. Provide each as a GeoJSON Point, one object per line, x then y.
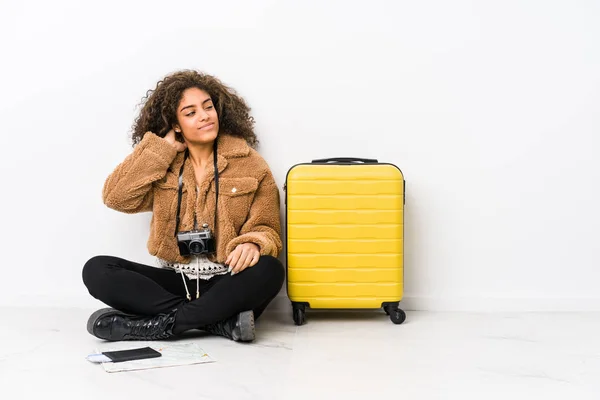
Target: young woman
{"type": "Point", "coordinates": [215, 227]}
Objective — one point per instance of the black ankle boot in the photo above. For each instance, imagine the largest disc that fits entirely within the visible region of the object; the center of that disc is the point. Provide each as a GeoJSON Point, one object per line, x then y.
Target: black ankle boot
{"type": "Point", "coordinates": [239, 328]}
{"type": "Point", "coordinates": [114, 325]}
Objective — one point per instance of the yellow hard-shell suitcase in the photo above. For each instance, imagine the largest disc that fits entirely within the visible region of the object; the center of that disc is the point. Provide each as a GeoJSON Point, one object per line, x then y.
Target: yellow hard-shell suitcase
{"type": "Point", "coordinates": [345, 236]}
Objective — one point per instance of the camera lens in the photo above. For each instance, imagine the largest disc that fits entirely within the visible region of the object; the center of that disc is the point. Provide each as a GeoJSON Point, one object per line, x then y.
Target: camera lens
{"type": "Point", "coordinates": [196, 247]}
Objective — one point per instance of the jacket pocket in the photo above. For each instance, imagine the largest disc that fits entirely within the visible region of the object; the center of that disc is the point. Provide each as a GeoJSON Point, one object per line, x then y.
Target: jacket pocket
{"type": "Point", "coordinates": [235, 198]}
{"type": "Point", "coordinates": [169, 182]}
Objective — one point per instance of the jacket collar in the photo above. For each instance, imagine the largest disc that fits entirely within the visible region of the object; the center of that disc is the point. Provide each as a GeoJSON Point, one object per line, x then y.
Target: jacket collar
{"type": "Point", "coordinates": [232, 146]}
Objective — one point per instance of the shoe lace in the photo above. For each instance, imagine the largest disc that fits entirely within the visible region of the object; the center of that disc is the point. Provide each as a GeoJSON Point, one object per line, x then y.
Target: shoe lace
{"type": "Point", "coordinates": [151, 328]}
{"type": "Point", "coordinates": [221, 328]}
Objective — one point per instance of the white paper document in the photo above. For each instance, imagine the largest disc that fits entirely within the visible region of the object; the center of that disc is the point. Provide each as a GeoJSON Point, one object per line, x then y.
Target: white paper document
{"type": "Point", "coordinates": [173, 354]}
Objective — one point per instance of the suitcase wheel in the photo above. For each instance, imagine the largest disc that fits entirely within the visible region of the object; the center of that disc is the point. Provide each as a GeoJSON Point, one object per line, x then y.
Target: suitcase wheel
{"type": "Point", "coordinates": [299, 314]}
{"type": "Point", "coordinates": [397, 316]}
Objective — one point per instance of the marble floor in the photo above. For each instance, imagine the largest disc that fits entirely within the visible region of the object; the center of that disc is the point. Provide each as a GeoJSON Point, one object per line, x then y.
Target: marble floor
{"type": "Point", "coordinates": [362, 355]}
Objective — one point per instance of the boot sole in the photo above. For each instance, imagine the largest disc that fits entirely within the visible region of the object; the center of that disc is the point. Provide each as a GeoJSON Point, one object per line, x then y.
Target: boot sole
{"type": "Point", "coordinates": [246, 324]}
{"type": "Point", "coordinates": [103, 312]}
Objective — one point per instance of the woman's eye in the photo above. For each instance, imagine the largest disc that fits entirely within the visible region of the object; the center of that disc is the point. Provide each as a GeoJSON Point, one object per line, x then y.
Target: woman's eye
{"type": "Point", "coordinates": [192, 113]}
{"type": "Point", "coordinates": [209, 107]}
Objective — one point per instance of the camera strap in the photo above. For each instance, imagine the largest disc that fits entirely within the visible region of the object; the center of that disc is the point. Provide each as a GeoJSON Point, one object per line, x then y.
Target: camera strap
{"type": "Point", "coordinates": [180, 190]}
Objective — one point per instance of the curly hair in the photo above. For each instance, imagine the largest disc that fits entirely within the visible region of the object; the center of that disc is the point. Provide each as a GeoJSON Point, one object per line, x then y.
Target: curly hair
{"type": "Point", "coordinates": [159, 106]}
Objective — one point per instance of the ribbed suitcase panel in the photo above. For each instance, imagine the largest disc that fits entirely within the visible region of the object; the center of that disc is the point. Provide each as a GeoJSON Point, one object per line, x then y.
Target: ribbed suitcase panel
{"type": "Point", "coordinates": [344, 231]}
{"type": "Point", "coordinates": [376, 275]}
{"type": "Point", "coordinates": [341, 261]}
{"type": "Point", "coordinates": [347, 246]}
{"type": "Point", "coordinates": [354, 203]}
{"type": "Point", "coordinates": [344, 217]}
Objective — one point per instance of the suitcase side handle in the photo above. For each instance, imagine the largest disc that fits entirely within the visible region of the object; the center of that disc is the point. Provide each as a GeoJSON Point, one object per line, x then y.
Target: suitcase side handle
{"type": "Point", "coordinates": [346, 160]}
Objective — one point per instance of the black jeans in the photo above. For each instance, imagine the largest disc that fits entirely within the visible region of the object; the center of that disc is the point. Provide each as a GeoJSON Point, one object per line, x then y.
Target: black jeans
{"type": "Point", "coordinates": [143, 290]}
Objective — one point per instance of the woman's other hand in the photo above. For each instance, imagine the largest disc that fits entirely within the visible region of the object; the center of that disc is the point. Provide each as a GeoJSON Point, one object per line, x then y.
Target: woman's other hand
{"type": "Point", "coordinates": [170, 137]}
{"type": "Point", "coordinates": [243, 256]}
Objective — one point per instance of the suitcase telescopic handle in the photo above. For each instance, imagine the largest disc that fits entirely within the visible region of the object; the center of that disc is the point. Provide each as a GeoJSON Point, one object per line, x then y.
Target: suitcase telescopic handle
{"type": "Point", "coordinates": [345, 160]}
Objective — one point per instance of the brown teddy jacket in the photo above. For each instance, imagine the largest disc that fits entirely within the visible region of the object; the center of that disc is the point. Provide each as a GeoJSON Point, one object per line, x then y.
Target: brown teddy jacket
{"type": "Point", "coordinates": [147, 180]}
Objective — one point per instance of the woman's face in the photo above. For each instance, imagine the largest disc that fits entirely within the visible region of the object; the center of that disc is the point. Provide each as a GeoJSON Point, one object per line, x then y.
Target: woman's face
{"type": "Point", "coordinates": [197, 117]}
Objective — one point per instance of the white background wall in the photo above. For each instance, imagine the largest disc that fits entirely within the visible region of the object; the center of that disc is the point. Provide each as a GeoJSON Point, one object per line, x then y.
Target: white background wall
{"type": "Point", "coordinates": [490, 108]}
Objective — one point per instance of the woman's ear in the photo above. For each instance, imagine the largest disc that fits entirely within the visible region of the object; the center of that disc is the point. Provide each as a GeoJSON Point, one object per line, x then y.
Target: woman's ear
{"type": "Point", "coordinates": [178, 133]}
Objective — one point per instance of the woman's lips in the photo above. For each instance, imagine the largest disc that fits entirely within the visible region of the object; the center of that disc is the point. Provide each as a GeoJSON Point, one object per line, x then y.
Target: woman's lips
{"type": "Point", "coordinates": [207, 127]}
